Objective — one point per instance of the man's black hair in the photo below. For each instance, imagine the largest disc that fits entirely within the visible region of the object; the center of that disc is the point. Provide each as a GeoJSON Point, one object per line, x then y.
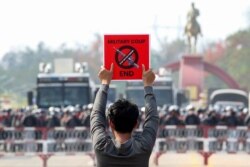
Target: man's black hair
{"type": "Point", "coordinates": [124, 115]}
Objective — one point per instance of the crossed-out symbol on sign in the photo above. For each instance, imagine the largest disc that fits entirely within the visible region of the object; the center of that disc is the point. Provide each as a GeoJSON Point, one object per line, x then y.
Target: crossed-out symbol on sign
{"type": "Point", "coordinates": [126, 57]}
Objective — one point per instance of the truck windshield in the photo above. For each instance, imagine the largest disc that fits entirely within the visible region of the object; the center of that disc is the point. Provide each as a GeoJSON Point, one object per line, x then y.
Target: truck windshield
{"type": "Point", "coordinates": [112, 95]}
{"type": "Point", "coordinates": [59, 96]}
{"type": "Point", "coordinates": [76, 95]}
{"type": "Point", "coordinates": [136, 96]}
{"type": "Point", "coordinates": [163, 96]}
{"type": "Point", "coordinates": [49, 96]}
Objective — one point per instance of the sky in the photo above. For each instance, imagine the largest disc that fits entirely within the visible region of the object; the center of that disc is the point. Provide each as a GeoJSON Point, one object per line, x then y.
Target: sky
{"type": "Point", "coordinates": [28, 22]}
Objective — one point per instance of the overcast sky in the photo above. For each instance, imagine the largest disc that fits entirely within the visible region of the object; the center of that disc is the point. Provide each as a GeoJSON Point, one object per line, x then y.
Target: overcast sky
{"type": "Point", "coordinates": [27, 22]}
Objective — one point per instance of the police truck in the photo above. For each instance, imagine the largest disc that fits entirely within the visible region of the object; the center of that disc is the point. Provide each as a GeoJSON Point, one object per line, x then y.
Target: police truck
{"type": "Point", "coordinates": [62, 89]}
{"type": "Point", "coordinates": [163, 90]}
{"type": "Point", "coordinates": [229, 97]}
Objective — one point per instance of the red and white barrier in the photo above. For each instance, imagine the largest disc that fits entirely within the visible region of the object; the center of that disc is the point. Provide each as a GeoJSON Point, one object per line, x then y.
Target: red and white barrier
{"type": "Point", "coordinates": [45, 142]}
{"type": "Point", "coordinates": [203, 139]}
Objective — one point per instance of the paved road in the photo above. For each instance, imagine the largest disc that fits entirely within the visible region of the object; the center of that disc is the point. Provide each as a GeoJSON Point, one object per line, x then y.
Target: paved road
{"type": "Point", "coordinates": [166, 160]}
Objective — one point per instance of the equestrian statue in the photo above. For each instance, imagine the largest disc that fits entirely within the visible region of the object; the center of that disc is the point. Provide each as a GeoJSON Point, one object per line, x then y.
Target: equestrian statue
{"type": "Point", "coordinates": [192, 28]}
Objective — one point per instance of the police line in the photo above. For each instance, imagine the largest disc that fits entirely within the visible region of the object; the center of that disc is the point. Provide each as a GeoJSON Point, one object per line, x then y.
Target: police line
{"type": "Point", "coordinates": [46, 142]}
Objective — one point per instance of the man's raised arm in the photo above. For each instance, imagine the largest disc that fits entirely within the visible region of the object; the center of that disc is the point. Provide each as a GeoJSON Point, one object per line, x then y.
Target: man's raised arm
{"type": "Point", "coordinates": [151, 123]}
{"type": "Point", "coordinates": [98, 118]}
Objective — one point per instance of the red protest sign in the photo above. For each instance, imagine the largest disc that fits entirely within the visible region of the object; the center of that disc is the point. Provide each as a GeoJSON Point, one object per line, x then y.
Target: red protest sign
{"type": "Point", "coordinates": [127, 53]}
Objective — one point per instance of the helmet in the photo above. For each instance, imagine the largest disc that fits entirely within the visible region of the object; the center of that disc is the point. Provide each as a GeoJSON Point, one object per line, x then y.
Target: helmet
{"type": "Point", "coordinates": [90, 106]}
{"type": "Point", "coordinates": [229, 108]}
{"type": "Point", "coordinates": [51, 109]}
{"type": "Point", "coordinates": [190, 107]}
{"type": "Point", "coordinates": [245, 110]}
{"type": "Point", "coordinates": [173, 108]}
{"type": "Point", "coordinates": [143, 109]}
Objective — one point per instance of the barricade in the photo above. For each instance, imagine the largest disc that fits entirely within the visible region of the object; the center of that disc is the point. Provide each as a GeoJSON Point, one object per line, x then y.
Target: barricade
{"type": "Point", "coordinates": [45, 142]}
{"type": "Point", "coordinates": [203, 139]}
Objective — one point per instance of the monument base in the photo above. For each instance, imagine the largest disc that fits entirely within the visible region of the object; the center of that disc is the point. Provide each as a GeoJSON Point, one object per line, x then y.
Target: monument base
{"type": "Point", "coordinates": [191, 75]}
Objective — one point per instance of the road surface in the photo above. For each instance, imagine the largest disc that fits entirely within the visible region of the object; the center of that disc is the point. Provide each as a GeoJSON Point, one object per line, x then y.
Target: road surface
{"type": "Point", "coordinates": [166, 160]}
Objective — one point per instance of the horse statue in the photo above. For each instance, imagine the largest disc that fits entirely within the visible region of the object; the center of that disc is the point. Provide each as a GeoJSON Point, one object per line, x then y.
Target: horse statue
{"type": "Point", "coordinates": [192, 29]}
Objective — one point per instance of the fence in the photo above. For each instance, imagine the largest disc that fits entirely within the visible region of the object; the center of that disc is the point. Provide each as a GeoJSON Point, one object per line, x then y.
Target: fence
{"type": "Point", "coordinates": [45, 142]}
{"type": "Point", "coordinates": [203, 139]}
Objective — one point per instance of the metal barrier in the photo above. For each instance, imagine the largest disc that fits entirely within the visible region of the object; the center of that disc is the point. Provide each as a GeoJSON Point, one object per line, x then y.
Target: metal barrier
{"type": "Point", "coordinates": [45, 142]}
{"type": "Point", "coordinates": [203, 139]}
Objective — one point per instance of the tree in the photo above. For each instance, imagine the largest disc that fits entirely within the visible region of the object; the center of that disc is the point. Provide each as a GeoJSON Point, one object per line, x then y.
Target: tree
{"type": "Point", "coordinates": [237, 57]}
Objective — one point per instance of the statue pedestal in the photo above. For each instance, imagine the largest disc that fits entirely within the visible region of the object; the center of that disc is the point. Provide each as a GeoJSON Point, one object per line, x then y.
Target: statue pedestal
{"type": "Point", "coordinates": [191, 75]}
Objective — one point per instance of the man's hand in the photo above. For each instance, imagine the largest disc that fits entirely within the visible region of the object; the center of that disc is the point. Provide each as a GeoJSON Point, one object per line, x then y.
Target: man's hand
{"type": "Point", "coordinates": [148, 76]}
{"type": "Point", "coordinates": [105, 75]}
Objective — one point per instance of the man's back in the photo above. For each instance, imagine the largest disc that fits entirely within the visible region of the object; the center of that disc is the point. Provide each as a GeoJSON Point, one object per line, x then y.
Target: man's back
{"type": "Point", "coordinates": [128, 154]}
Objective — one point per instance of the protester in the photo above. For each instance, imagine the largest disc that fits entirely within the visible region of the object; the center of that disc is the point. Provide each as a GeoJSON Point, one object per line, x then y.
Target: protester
{"type": "Point", "coordinates": [123, 149]}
